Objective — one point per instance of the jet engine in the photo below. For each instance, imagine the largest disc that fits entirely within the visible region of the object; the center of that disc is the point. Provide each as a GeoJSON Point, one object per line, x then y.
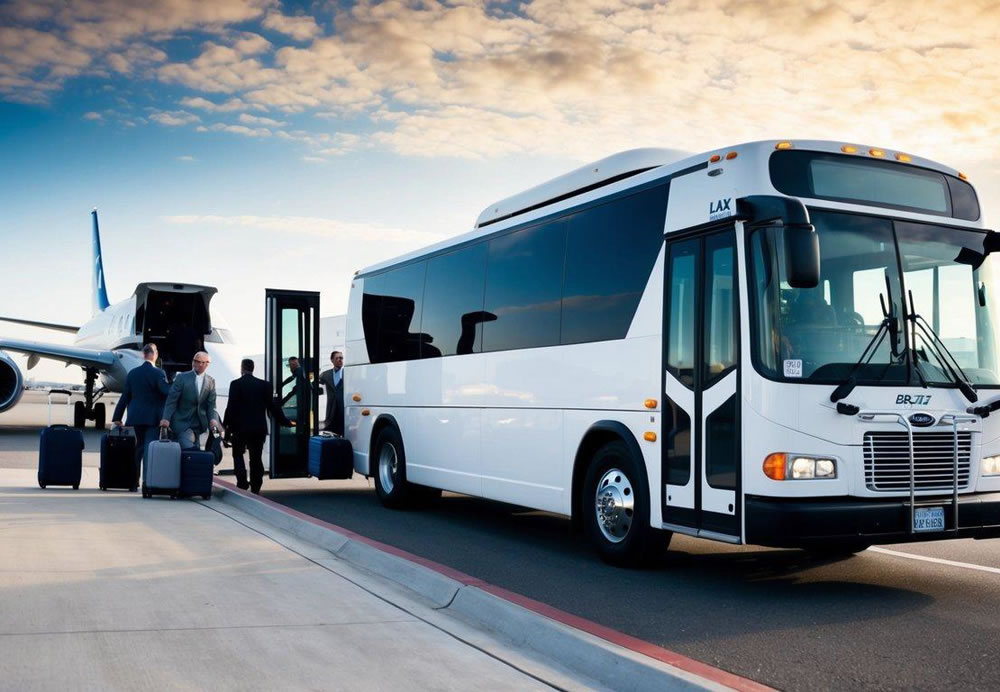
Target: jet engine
{"type": "Point", "coordinates": [11, 382]}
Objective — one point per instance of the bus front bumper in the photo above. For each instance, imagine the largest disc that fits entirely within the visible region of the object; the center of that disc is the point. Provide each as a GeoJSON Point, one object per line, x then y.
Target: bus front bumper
{"type": "Point", "coordinates": [799, 522]}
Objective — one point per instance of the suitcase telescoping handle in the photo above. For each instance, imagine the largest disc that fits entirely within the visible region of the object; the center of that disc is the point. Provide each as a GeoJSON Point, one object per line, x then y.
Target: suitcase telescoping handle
{"type": "Point", "coordinates": [65, 392]}
{"type": "Point", "coordinates": [164, 434]}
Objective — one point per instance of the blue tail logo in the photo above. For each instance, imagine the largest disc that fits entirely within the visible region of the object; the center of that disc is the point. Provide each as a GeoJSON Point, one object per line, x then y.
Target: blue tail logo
{"type": "Point", "coordinates": [99, 292]}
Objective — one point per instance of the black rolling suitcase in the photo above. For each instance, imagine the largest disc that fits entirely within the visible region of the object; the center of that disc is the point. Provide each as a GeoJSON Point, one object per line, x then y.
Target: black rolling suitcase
{"type": "Point", "coordinates": [118, 469]}
{"type": "Point", "coordinates": [60, 452]}
{"type": "Point", "coordinates": [197, 472]}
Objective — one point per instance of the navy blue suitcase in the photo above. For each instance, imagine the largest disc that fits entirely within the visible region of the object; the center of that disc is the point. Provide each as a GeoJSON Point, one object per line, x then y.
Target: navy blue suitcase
{"type": "Point", "coordinates": [197, 471]}
{"type": "Point", "coordinates": [118, 469]}
{"type": "Point", "coordinates": [330, 457]}
{"type": "Point", "coordinates": [60, 456]}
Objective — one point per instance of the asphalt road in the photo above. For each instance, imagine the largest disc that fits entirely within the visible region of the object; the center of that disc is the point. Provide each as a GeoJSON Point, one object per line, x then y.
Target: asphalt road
{"type": "Point", "coordinates": [880, 620]}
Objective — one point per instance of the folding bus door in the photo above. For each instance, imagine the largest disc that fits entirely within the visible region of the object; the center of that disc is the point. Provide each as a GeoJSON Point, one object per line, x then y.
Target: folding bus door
{"type": "Point", "coordinates": [701, 465]}
{"type": "Point", "coordinates": [292, 325]}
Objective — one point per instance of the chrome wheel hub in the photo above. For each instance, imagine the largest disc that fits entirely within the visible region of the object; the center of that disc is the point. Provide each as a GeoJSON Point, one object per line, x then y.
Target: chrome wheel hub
{"type": "Point", "coordinates": [388, 463]}
{"type": "Point", "coordinates": [614, 504]}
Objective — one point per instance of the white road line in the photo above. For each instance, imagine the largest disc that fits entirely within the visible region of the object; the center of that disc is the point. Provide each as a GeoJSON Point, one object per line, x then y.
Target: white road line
{"type": "Point", "coordinates": [936, 560]}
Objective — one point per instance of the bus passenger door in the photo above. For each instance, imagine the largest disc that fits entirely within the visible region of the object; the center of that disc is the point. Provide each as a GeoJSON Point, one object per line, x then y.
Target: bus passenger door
{"type": "Point", "coordinates": [292, 325]}
{"type": "Point", "coordinates": [701, 469]}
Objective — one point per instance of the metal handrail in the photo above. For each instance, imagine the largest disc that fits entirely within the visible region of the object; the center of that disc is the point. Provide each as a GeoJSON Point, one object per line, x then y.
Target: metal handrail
{"type": "Point", "coordinates": [904, 421]}
{"type": "Point", "coordinates": [955, 420]}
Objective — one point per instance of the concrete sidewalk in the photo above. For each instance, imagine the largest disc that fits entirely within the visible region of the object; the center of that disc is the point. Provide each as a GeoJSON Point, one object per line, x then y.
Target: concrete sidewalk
{"type": "Point", "coordinates": [105, 590]}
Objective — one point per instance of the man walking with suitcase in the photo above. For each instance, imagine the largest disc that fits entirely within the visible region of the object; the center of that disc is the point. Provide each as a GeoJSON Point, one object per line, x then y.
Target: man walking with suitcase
{"type": "Point", "coordinates": [190, 407]}
{"type": "Point", "coordinates": [145, 391]}
{"type": "Point", "coordinates": [250, 399]}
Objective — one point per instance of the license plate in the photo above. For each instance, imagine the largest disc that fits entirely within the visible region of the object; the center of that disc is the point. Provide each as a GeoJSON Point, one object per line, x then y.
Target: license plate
{"type": "Point", "coordinates": [928, 519]}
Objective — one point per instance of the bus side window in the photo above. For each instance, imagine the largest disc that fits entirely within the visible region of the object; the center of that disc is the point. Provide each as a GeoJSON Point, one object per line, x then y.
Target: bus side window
{"type": "Point", "coordinates": [681, 320]}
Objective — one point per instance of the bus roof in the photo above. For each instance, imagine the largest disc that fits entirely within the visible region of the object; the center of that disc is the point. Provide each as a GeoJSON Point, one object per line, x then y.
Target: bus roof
{"type": "Point", "coordinates": [633, 162]}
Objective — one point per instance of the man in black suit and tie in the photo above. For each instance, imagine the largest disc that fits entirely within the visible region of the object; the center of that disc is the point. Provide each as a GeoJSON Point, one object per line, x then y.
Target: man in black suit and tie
{"type": "Point", "coordinates": [333, 383]}
{"type": "Point", "coordinates": [250, 399]}
{"type": "Point", "coordinates": [145, 391]}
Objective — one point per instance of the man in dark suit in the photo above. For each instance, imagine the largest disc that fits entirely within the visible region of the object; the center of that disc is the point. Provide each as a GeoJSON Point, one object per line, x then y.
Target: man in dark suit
{"type": "Point", "coordinates": [145, 391]}
{"type": "Point", "coordinates": [190, 406]}
{"type": "Point", "coordinates": [333, 383]}
{"type": "Point", "coordinates": [250, 399]}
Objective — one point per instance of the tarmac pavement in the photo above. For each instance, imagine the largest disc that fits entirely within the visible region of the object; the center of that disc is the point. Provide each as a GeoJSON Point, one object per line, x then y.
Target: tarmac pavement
{"type": "Point", "coordinates": [105, 590]}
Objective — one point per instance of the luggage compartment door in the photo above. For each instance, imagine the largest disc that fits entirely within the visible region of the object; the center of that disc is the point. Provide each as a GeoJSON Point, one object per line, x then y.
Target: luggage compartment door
{"type": "Point", "coordinates": [292, 332]}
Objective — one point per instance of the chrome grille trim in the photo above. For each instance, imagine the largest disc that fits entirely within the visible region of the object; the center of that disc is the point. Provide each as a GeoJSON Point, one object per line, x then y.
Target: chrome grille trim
{"type": "Point", "coordinates": [887, 460]}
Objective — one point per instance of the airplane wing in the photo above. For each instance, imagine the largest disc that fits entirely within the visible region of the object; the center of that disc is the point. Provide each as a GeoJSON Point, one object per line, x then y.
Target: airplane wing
{"type": "Point", "coordinates": [44, 325]}
{"type": "Point", "coordinates": [72, 355]}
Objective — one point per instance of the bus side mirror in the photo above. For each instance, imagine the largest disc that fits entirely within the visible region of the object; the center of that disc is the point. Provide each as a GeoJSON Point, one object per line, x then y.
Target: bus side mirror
{"type": "Point", "coordinates": [801, 256]}
{"type": "Point", "coordinates": [992, 242]}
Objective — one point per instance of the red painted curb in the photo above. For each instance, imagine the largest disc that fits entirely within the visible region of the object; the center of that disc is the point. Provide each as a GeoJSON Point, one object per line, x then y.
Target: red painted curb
{"type": "Point", "coordinates": [621, 639]}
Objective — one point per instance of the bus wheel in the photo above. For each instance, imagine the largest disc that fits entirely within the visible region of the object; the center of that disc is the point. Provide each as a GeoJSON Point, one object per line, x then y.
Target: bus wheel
{"type": "Point", "coordinates": [616, 510]}
{"type": "Point", "coordinates": [390, 471]}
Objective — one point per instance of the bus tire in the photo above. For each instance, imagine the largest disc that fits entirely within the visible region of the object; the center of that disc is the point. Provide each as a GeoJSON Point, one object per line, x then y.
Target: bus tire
{"type": "Point", "coordinates": [390, 469]}
{"type": "Point", "coordinates": [615, 507]}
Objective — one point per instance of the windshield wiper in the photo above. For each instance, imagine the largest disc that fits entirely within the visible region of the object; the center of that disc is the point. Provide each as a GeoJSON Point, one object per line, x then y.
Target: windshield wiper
{"type": "Point", "coordinates": [890, 326]}
{"type": "Point", "coordinates": [939, 350]}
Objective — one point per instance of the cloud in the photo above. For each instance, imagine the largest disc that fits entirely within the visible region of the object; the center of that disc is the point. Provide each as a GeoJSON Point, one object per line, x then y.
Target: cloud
{"type": "Point", "coordinates": [174, 118]}
{"type": "Point", "coordinates": [248, 119]}
{"type": "Point", "coordinates": [93, 116]}
{"type": "Point", "coordinates": [479, 79]}
{"type": "Point", "coordinates": [186, 158]}
{"type": "Point", "coordinates": [300, 28]}
{"type": "Point", "coordinates": [45, 42]}
{"type": "Point", "coordinates": [211, 106]}
{"type": "Point", "coordinates": [236, 130]}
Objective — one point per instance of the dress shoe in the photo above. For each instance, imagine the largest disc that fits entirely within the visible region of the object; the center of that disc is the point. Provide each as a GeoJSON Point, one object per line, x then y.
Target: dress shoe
{"type": "Point", "coordinates": [243, 486]}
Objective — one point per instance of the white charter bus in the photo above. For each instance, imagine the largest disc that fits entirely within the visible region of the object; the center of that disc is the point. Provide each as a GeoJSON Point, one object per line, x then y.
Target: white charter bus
{"type": "Point", "coordinates": [788, 344]}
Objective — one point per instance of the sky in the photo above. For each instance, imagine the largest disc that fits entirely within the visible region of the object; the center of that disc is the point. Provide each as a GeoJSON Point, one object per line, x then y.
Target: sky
{"type": "Point", "coordinates": [247, 144]}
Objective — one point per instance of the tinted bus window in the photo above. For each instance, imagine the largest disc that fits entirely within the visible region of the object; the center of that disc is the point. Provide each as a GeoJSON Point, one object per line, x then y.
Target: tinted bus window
{"type": "Point", "coordinates": [610, 251]}
{"type": "Point", "coordinates": [390, 313]}
{"type": "Point", "coordinates": [524, 287]}
{"type": "Point", "coordinates": [867, 181]}
{"type": "Point", "coordinates": [453, 313]}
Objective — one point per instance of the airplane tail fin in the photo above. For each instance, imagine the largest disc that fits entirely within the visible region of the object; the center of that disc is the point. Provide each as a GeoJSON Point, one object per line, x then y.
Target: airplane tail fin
{"type": "Point", "coordinates": [98, 292]}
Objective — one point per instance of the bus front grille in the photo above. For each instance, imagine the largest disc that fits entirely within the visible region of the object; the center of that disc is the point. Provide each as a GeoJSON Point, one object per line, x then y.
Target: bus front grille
{"type": "Point", "coordinates": [887, 461]}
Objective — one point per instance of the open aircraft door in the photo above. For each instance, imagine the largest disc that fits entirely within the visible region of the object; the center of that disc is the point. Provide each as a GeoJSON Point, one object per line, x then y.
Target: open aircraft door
{"type": "Point", "coordinates": [292, 324]}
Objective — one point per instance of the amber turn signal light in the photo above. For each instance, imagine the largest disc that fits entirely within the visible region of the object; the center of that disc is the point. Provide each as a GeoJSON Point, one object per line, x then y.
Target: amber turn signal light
{"type": "Point", "coordinates": [650, 403]}
{"type": "Point", "coordinates": [649, 436]}
{"type": "Point", "coordinates": [775, 465]}
{"type": "Point", "coordinates": [356, 397]}
{"type": "Point", "coordinates": [365, 412]}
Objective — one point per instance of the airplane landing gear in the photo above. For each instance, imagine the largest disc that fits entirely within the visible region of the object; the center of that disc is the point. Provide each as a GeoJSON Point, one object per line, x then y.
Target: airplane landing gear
{"type": "Point", "coordinates": [87, 409]}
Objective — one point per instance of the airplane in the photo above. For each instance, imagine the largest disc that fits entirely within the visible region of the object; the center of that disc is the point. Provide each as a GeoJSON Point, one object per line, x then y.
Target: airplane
{"type": "Point", "coordinates": [175, 316]}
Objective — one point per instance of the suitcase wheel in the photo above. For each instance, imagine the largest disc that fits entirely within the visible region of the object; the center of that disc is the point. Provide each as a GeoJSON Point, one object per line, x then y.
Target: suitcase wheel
{"type": "Point", "coordinates": [42, 486]}
{"type": "Point", "coordinates": [76, 486]}
{"type": "Point", "coordinates": [103, 488]}
{"type": "Point", "coordinates": [206, 497]}
{"type": "Point", "coordinates": [132, 490]}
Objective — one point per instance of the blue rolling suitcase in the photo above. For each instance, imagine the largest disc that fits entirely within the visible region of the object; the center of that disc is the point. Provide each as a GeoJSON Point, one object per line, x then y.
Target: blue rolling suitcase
{"type": "Point", "coordinates": [197, 470]}
{"type": "Point", "coordinates": [60, 453]}
{"type": "Point", "coordinates": [330, 457]}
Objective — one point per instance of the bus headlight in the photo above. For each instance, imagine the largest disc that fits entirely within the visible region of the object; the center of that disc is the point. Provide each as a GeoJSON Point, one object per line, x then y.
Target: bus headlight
{"type": "Point", "coordinates": [788, 467]}
{"type": "Point", "coordinates": [991, 466]}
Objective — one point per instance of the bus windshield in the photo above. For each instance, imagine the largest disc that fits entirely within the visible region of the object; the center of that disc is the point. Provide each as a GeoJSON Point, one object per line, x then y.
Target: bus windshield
{"type": "Point", "coordinates": [868, 265]}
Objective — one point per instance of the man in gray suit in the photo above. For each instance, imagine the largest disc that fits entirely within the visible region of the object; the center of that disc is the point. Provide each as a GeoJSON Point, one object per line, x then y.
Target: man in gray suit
{"type": "Point", "coordinates": [190, 408]}
{"type": "Point", "coordinates": [333, 383]}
